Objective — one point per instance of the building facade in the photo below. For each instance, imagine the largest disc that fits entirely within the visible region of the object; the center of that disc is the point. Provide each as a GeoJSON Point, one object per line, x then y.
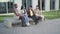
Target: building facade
{"type": "Point", "coordinates": [6, 6]}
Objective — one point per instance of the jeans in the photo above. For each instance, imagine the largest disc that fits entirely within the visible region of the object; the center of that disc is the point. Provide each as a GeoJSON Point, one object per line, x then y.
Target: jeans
{"type": "Point", "coordinates": [24, 20]}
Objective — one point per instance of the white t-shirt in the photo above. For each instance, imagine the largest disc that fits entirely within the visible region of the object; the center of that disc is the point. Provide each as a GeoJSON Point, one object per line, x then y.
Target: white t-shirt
{"type": "Point", "coordinates": [37, 12]}
{"type": "Point", "coordinates": [23, 12]}
{"type": "Point", "coordinates": [18, 12]}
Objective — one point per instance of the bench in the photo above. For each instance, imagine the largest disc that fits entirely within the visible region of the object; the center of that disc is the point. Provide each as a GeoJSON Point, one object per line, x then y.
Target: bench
{"type": "Point", "coordinates": [9, 21]}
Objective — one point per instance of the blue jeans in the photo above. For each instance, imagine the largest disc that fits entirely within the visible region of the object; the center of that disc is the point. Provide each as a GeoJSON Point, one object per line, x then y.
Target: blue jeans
{"type": "Point", "coordinates": [25, 19]}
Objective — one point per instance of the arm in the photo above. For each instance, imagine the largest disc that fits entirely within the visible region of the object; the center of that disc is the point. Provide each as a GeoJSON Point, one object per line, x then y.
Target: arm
{"type": "Point", "coordinates": [28, 12]}
{"type": "Point", "coordinates": [39, 12]}
{"type": "Point", "coordinates": [17, 14]}
{"type": "Point", "coordinates": [33, 12]}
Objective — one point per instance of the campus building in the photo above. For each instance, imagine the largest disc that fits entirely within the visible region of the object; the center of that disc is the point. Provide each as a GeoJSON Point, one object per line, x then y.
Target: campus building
{"type": "Point", "coordinates": [6, 6]}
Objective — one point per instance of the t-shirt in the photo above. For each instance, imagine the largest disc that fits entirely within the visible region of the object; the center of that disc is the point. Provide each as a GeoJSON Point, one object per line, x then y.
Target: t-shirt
{"type": "Point", "coordinates": [31, 13]}
{"type": "Point", "coordinates": [23, 11]}
{"type": "Point", "coordinates": [18, 12]}
{"type": "Point", "coordinates": [37, 12]}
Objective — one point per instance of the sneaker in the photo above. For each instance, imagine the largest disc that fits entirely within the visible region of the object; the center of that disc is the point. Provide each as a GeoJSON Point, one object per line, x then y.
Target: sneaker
{"type": "Point", "coordinates": [28, 24]}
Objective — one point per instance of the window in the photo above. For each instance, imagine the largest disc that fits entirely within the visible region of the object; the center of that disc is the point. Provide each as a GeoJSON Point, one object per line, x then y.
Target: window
{"type": "Point", "coordinates": [24, 2]}
{"type": "Point", "coordinates": [52, 4]}
{"type": "Point", "coordinates": [42, 3]}
{"type": "Point", "coordinates": [10, 7]}
{"type": "Point", "coordinates": [27, 3]}
{"type": "Point", "coordinates": [39, 4]}
{"type": "Point", "coordinates": [59, 4]}
{"type": "Point", "coordinates": [2, 7]}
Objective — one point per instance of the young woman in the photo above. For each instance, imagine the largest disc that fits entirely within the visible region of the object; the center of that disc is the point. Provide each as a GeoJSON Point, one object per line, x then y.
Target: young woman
{"type": "Point", "coordinates": [24, 13]}
{"type": "Point", "coordinates": [32, 15]}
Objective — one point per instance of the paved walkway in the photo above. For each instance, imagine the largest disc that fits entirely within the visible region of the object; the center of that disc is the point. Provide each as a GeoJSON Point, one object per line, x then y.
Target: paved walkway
{"type": "Point", "coordinates": [45, 27]}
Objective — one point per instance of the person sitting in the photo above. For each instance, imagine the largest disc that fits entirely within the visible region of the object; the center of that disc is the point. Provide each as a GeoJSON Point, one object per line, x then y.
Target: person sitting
{"type": "Point", "coordinates": [32, 15]}
{"type": "Point", "coordinates": [19, 15]}
{"type": "Point", "coordinates": [37, 13]}
{"type": "Point", "coordinates": [24, 13]}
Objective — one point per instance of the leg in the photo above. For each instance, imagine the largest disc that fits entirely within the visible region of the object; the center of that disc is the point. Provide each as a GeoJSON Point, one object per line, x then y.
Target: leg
{"type": "Point", "coordinates": [22, 20]}
{"type": "Point", "coordinates": [26, 20]}
{"type": "Point", "coordinates": [43, 18]}
{"type": "Point", "coordinates": [35, 19]}
{"type": "Point", "coordinates": [39, 18]}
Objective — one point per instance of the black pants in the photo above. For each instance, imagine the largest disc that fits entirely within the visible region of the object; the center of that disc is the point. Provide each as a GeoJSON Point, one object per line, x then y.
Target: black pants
{"type": "Point", "coordinates": [35, 18]}
{"type": "Point", "coordinates": [22, 20]}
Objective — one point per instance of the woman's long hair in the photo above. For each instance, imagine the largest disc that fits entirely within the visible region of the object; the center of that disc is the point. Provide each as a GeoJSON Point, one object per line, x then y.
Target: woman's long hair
{"type": "Point", "coordinates": [22, 7]}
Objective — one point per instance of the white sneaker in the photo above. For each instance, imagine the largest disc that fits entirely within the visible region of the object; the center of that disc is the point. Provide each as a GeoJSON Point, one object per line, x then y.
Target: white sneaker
{"type": "Point", "coordinates": [28, 24]}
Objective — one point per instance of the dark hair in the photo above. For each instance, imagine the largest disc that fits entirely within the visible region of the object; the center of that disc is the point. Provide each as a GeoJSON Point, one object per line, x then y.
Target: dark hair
{"type": "Point", "coordinates": [30, 6]}
{"type": "Point", "coordinates": [15, 5]}
{"type": "Point", "coordinates": [37, 6]}
{"type": "Point", "coordinates": [22, 7]}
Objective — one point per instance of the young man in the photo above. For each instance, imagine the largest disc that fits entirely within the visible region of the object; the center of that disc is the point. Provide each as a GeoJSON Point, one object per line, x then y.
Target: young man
{"type": "Point", "coordinates": [37, 12]}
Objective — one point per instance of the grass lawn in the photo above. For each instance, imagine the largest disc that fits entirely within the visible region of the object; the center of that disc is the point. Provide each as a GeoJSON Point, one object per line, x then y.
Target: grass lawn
{"type": "Point", "coordinates": [48, 15]}
{"type": "Point", "coordinates": [52, 14]}
{"type": "Point", "coordinates": [3, 17]}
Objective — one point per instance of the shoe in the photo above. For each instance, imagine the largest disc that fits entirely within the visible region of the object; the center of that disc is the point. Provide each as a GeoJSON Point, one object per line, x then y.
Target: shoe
{"type": "Point", "coordinates": [23, 25]}
{"type": "Point", "coordinates": [36, 22]}
{"type": "Point", "coordinates": [28, 24]}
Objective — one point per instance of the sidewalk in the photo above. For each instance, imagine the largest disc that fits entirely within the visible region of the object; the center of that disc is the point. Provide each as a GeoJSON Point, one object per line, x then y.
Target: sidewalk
{"type": "Point", "coordinates": [45, 27]}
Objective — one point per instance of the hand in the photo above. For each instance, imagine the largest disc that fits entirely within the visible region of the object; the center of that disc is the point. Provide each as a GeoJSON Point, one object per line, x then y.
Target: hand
{"type": "Point", "coordinates": [21, 15]}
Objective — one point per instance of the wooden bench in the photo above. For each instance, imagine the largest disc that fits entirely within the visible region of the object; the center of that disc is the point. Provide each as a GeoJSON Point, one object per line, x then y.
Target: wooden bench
{"type": "Point", "coordinates": [9, 21]}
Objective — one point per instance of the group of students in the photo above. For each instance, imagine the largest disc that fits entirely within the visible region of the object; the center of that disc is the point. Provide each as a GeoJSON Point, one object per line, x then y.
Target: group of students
{"type": "Point", "coordinates": [24, 14]}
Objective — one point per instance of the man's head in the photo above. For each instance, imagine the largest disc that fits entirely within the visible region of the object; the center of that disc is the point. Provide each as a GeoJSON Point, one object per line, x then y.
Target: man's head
{"type": "Point", "coordinates": [30, 7]}
{"type": "Point", "coordinates": [15, 5]}
{"type": "Point", "coordinates": [37, 7]}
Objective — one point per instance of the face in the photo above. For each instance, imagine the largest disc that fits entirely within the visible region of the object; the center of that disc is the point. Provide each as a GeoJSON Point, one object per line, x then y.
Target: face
{"type": "Point", "coordinates": [16, 6]}
{"type": "Point", "coordinates": [30, 7]}
{"type": "Point", "coordinates": [37, 7]}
